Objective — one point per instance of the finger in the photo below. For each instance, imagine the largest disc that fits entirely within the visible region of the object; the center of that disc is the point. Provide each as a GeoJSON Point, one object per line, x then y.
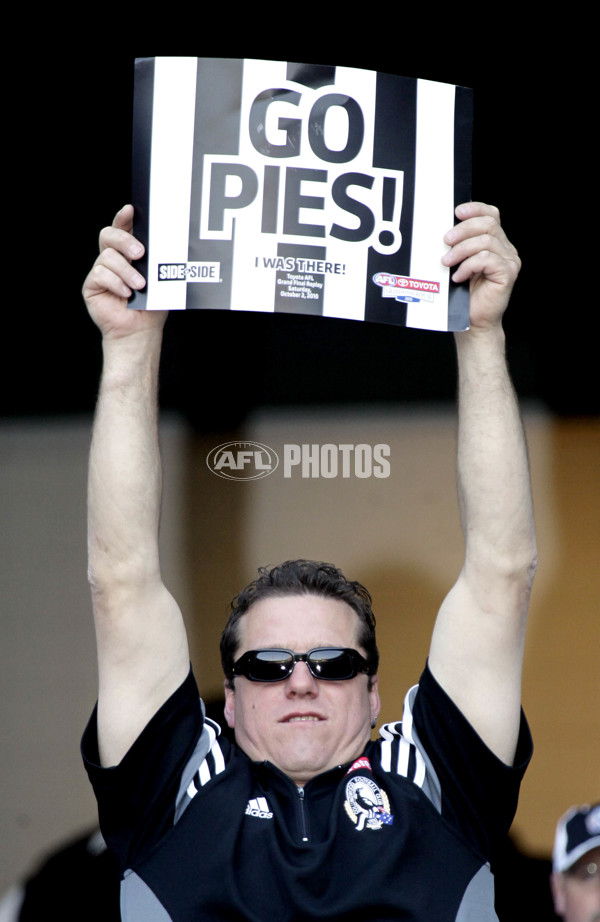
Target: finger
{"type": "Point", "coordinates": [486, 263]}
{"type": "Point", "coordinates": [482, 243]}
{"type": "Point", "coordinates": [476, 209]}
{"type": "Point", "coordinates": [124, 218]}
{"type": "Point", "coordinates": [102, 280]}
{"type": "Point", "coordinates": [476, 226]}
{"type": "Point", "coordinates": [112, 272]}
{"type": "Point", "coordinates": [122, 241]}
{"type": "Point", "coordinates": [121, 266]}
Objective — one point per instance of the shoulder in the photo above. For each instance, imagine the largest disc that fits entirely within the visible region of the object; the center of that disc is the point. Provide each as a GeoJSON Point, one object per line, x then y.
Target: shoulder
{"type": "Point", "coordinates": [436, 749]}
{"type": "Point", "coordinates": [176, 753]}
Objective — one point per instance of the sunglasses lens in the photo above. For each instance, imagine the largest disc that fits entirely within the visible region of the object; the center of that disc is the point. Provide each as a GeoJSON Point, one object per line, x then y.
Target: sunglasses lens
{"type": "Point", "coordinates": [324, 663]}
{"type": "Point", "coordinates": [332, 664]}
{"type": "Point", "coordinates": [270, 665]}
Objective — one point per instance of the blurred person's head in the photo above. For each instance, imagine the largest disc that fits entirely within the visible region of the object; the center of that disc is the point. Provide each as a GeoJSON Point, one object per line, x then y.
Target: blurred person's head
{"type": "Point", "coordinates": [575, 878]}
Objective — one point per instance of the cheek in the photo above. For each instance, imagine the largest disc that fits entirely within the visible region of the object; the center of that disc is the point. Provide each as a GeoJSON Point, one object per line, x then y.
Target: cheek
{"type": "Point", "coordinates": [240, 706]}
{"type": "Point", "coordinates": [352, 711]}
{"type": "Point", "coordinates": [580, 903]}
{"type": "Point", "coordinates": [252, 708]}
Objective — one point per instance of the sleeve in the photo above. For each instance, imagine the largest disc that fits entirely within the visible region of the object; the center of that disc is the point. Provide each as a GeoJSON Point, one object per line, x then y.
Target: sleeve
{"type": "Point", "coordinates": [137, 798]}
{"type": "Point", "coordinates": [477, 792]}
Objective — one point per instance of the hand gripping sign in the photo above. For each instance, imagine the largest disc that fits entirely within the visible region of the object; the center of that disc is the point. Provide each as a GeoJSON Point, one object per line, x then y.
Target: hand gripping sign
{"type": "Point", "coordinates": [272, 186]}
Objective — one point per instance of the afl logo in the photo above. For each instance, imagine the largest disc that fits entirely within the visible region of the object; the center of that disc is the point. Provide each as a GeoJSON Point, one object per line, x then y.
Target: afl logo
{"type": "Point", "coordinates": [366, 804]}
{"type": "Point", "coordinates": [242, 460]}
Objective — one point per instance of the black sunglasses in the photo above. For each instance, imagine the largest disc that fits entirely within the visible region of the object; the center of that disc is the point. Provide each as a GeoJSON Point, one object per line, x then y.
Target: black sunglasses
{"type": "Point", "coordinates": [332, 663]}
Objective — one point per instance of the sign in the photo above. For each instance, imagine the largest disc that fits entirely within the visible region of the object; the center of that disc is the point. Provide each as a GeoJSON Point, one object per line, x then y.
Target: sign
{"type": "Point", "coordinates": [298, 188]}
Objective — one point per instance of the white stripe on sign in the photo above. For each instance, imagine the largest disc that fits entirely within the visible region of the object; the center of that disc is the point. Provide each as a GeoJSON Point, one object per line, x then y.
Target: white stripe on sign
{"type": "Point", "coordinates": [171, 170]}
{"type": "Point", "coordinates": [434, 198]}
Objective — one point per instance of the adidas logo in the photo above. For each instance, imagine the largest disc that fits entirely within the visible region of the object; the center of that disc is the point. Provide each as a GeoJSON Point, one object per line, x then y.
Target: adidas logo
{"type": "Point", "coordinates": [260, 808]}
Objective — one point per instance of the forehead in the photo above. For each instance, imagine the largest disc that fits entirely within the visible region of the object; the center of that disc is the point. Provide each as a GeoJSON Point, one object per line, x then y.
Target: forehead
{"type": "Point", "coordinates": [298, 623]}
{"type": "Point", "coordinates": [591, 857]}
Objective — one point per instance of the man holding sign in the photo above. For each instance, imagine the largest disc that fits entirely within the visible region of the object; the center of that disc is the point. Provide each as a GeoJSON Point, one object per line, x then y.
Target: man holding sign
{"type": "Point", "coordinates": [304, 818]}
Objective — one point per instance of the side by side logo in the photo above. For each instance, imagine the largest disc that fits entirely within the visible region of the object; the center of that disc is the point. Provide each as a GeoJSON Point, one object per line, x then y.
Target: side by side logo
{"type": "Point", "coordinates": [254, 461]}
{"type": "Point", "coordinates": [242, 460]}
{"type": "Point", "coordinates": [190, 272]}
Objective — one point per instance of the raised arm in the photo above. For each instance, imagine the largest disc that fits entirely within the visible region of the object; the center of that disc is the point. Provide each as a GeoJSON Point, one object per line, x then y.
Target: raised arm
{"type": "Point", "coordinates": [477, 645]}
{"type": "Point", "coordinates": [142, 646]}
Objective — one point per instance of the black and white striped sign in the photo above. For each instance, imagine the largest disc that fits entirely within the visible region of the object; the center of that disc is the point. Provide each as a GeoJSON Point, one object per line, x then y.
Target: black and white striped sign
{"type": "Point", "coordinates": [272, 186]}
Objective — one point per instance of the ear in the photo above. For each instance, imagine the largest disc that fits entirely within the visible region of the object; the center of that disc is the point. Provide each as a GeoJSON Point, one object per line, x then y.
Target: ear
{"type": "Point", "coordinates": [374, 698]}
{"type": "Point", "coordinates": [229, 709]}
{"type": "Point", "coordinates": [557, 886]}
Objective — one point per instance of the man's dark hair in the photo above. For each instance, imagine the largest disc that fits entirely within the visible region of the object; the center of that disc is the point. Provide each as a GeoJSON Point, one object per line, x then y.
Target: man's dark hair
{"type": "Point", "coordinates": [301, 577]}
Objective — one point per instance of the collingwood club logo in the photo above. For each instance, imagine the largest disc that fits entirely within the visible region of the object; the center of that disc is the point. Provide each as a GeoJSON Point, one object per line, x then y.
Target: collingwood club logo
{"type": "Point", "coordinates": [366, 804]}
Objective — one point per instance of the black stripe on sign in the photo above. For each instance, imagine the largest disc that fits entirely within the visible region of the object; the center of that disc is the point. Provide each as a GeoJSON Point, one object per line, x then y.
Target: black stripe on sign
{"type": "Point", "coordinates": [216, 131]}
{"type": "Point", "coordinates": [394, 147]}
{"type": "Point", "coordinates": [143, 96]}
{"type": "Point", "coordinates": [307, 281]}
{"type": "Point", "coordinates": [458, 295]}
{"type": "Point", "coordinates": [311, 75]}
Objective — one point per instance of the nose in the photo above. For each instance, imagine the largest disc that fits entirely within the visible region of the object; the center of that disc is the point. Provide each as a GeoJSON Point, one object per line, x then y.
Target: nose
{"type": "Point", "coordinates": [301, 681]}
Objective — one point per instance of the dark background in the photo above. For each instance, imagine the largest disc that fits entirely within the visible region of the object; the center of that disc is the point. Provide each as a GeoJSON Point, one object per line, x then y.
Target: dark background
{"type": "Point", "coordinates": [71, 88]}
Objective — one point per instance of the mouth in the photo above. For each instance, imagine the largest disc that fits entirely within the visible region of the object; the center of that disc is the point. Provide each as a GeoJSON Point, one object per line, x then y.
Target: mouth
{"type": "Point", "coordinates": [302, 718]}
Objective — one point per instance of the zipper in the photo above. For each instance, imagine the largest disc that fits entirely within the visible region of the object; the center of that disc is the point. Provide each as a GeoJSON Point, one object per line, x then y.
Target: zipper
{"type": "Point", "coordinates": [302, 814]}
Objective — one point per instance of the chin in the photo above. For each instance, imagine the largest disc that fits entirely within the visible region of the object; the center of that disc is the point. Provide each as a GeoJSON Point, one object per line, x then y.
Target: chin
{"type": "Point", "coordinates": [302, 765]}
